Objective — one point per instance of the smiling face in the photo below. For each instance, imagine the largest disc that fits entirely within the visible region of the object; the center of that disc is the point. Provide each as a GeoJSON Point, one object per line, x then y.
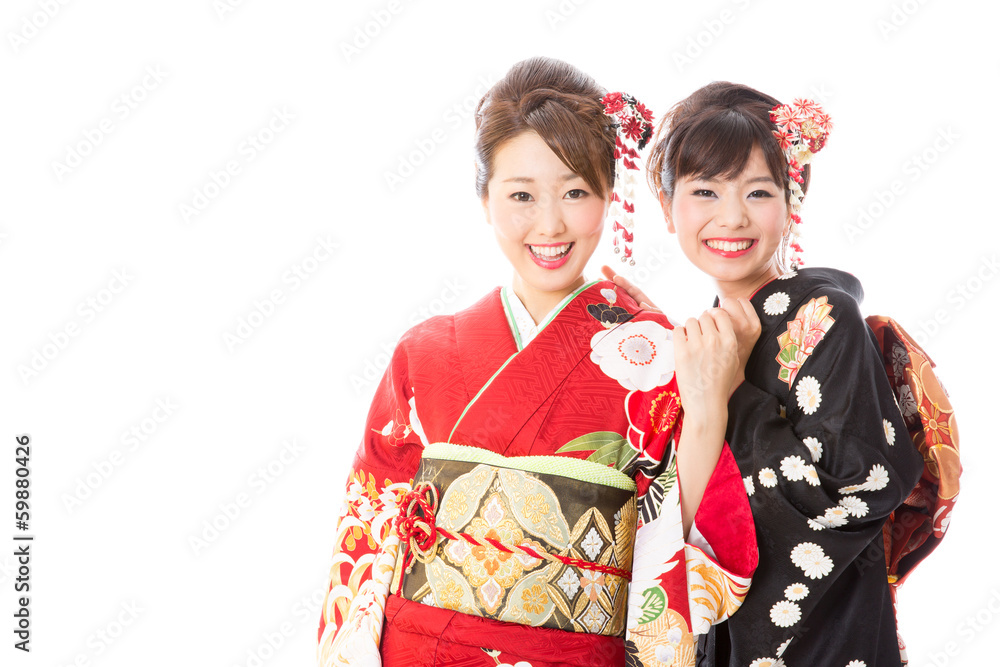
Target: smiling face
{"type": "Point", "coordinates": [547, 220]}
{"type": "Point", "coordinates": [733, 228]}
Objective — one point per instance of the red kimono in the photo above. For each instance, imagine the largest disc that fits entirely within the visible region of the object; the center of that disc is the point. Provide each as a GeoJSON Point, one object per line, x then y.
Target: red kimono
{"type": "Point", "coordinates": [552, 476]}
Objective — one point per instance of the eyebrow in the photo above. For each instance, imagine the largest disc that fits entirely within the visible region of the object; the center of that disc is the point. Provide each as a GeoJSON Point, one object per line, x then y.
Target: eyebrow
{"type": "Point", "coordinates": [758, 179]}
{"type": "Point", "coordinates": [525, 179]}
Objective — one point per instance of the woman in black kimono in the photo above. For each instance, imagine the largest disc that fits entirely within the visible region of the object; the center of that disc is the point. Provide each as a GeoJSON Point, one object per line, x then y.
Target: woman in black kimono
{"type": "Point", "coordinates": [815, 427]}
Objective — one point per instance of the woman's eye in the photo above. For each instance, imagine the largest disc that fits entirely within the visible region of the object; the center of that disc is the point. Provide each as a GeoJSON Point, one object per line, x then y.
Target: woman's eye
{"type": "Point", "coordinates": [521, 196]}
{"type": "Point", "coordinates": [760, 194]}
{"type": "Point", "coordinates": [703, 193]}
{"type": "Point", "coordinates": [576, 194]}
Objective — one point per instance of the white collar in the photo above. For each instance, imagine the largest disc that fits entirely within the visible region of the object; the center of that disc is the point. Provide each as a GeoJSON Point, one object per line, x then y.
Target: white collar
{"type": "Point", "coordinates": [522, 325]}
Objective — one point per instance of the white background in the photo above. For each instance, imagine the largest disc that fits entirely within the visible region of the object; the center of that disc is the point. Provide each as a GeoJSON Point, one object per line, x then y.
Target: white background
{"type": "Point", "coordinates": [396, 101]}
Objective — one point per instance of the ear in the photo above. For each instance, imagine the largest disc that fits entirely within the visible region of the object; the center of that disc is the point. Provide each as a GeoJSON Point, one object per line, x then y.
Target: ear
{"type": "Point", "coordinates": [665, 203]}
{"type": "Point", "coordinates": [485, 201]}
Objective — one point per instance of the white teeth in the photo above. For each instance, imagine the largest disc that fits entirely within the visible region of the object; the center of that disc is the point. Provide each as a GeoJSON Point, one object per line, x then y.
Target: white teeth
{"type": "Point", "coordinates": [550, 251]}
{"type": "Point", "coordinates": [729, 246]}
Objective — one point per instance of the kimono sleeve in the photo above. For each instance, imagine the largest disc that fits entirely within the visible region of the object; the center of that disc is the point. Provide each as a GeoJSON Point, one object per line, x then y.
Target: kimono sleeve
{"type": "Point", "coordinates": [824, 471]}
{"type": "Point", "coordinates": [366, 547]}
{"type": "Point", "coordinates": [679, 590]}
{"type": "Point", "coordinates": [721, 562]}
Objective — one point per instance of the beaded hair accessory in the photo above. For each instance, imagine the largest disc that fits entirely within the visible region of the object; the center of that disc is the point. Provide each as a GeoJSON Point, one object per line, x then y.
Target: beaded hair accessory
{"type": "Point", "coordinates": [802, 130]}
{"type": "Point", "coordinates": [634, 128]}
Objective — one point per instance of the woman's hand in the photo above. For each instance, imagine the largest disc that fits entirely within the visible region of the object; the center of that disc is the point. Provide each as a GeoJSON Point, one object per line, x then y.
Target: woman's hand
{"type": "Point", "coordinates": [746, 326]}
{"type": "Point", "coordinates": [706, 359]}
{"type": "Point", "coordinates": [630, 289]}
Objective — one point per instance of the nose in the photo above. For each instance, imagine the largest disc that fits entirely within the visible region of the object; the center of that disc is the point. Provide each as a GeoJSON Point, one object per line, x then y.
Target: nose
{"type": "Point", "coordinates": [549, 216]}
{"type": "Point", "coordinates": [732, 213]}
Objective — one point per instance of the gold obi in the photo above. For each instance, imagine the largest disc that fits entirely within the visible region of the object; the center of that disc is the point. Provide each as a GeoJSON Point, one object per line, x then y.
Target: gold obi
{"type": "Point", "coordinates": [537, 540]}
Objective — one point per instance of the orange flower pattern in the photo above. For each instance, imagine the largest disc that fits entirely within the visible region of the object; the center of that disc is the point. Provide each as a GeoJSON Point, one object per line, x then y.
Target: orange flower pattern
{"type": "Point", "coordinates": [803, 335]}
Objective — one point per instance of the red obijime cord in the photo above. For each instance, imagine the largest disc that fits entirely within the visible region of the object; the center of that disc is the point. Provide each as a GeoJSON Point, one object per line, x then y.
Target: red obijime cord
{"type": "Point", "coordinates": [419, 535]}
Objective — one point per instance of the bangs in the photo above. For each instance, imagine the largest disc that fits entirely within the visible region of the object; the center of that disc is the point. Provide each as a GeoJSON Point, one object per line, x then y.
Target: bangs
{"type": "Point", "coordinates": [588, 156]}
{"type": "Point", "coordinates": [718, 146]}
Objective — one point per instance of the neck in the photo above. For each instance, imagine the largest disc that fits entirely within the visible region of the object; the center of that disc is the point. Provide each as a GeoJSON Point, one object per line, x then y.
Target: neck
{"type": "Point", "coordinates": [540, 303]}
{"type": "Point", "coordinates": [746, 287]}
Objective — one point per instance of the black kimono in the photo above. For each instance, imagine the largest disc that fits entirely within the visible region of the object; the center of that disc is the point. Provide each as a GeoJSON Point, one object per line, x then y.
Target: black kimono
{"type": "Point", "coordinates": [826, 457]}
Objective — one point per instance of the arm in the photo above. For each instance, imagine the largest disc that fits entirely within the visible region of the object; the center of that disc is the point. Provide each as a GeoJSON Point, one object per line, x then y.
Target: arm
{"type": "Point", "coordinates": [705, 353]}
{"type": "Point", "coordinates": [720, 551]}
{"type": "Point", "coordinates": [365, 549]}
{"type": "Point", "coordinates": [716, 573]}
{"type": "Point", "coordinates": [711, 354]}
{"type": "Point", "coordinates": [823, 471]}
{"type": "Point", "coordinates": [841, 420]}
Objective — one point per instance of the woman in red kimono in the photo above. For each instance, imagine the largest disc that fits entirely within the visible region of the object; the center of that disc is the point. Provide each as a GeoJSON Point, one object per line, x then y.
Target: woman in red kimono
{"type": "Point", "coordinates": [516, 498]}
{"type": "Point", "coordinates": [822, 426]}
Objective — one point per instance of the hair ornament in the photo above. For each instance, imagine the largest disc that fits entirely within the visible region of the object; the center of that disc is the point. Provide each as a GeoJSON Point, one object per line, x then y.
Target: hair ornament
{"type": "Point", "coordinates": [633, 123]}
{"type": "Point", "coordinates": [802, 131]}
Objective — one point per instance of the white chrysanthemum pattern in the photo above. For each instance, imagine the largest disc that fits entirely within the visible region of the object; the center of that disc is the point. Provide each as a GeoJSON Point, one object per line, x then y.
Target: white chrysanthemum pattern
{"type": "Point", "coordinates": [808, 394]}
{"type": "Point", "coordinates": [836, 516]}
{"type": "Point", "coordinates": [878, 478]}
{"type": "Point", "coordinates": [777, 303]}
{"type": "Point", "coordinates": [855, 506]}
{"type": "Point", "coordinates": [812, 560]}
{"type": "Point", "coordinates": [767, 478]}
{"type": "Point", "coordinates": [785, 614]}
{"type": "Point", "coordinates": [815, 448]}
{"type": "Point", "coordinates": [796, 592]}
{"type": "Point", "coordinates": [793, 468]}
{"type": "Point", "coordinates": [748, 484]}
{"type": "Point", "coordinates": [890, 432]}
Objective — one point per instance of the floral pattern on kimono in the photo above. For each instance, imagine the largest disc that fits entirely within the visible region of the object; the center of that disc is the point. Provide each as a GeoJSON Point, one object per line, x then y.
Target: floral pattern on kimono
{"type": "Point", "coordinates": [572, 392]}
{"type": "Point", "coordinates": [826, 459]}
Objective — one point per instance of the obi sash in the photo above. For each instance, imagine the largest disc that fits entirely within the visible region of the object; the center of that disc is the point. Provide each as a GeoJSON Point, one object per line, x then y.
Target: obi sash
{"type": "Point", "coordinates": [542, 541]}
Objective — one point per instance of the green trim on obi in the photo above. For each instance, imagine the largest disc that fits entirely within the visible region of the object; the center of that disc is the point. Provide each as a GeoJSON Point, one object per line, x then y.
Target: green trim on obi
{"type": "Point", "coordinates": [562, 466]}
{"type": "Point", "coordinates": [519, 539]}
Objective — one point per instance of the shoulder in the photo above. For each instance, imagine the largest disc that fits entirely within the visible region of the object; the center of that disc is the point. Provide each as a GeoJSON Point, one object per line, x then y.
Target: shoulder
{"type": "Point", "coordinates": [812, 318]}
{"type": "Point", "coordinates": [439, 330]}
{"type": "Point", "coordinates": [813, 297]}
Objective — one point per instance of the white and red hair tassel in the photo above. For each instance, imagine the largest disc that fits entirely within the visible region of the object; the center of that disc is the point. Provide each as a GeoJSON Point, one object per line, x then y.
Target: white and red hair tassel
{"type": "Point", "coordinates": [634, 126]}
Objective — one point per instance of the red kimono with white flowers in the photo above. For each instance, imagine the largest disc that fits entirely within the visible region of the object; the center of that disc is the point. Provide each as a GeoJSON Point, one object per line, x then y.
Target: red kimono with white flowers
{"type": "Point", "coordinates": [596, 384]}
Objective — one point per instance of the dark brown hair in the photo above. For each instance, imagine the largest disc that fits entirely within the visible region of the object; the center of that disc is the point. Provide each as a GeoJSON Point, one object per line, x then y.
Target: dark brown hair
{"type": "Point", "coordinates": [712, 132]}
{"type": "Point", "coordinates": [559, 103]}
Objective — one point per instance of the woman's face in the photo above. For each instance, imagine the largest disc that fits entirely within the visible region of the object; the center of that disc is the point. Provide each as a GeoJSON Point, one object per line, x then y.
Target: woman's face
{"type": "Point", "coordinates": [547, 220]}
{"type": "Point", "coordinates": [731, 229]}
